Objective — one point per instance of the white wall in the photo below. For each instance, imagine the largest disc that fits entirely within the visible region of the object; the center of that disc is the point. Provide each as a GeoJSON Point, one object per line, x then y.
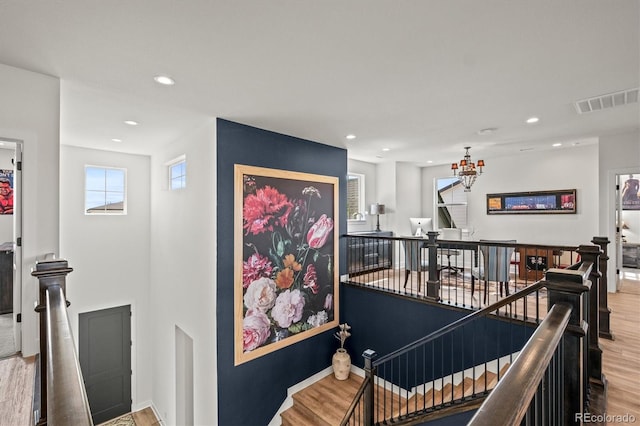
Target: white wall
{"type": "Point", "coordinates": [30, 113]}
{"type": "Point", "coordinates": [408, 197]}
{"type": "Point", "coordinates": [386, 194]}
{"type": "Point", "coordinates": [368, 170]}
{"type": "Point", "coordinates": [6, 221]}
{"type": "Point", "coordinates": [109, 253]}
{"type": "Point", "coordinates": [618, 154]}
{"type": "Point", "coordinates": [183, 279]}
{"type": "Point", "coordinates": [563, 168]}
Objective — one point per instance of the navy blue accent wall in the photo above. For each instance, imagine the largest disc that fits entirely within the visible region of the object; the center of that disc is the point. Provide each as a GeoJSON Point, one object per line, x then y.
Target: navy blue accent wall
{"type": "Point", "coordinates": [385, 323]}
{"type": "Point", "coordinates": [251, 393]}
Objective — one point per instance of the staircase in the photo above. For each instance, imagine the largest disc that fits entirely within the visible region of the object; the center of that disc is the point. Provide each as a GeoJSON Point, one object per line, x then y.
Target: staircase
{"type": "Point", "coordinates": [325, 402]}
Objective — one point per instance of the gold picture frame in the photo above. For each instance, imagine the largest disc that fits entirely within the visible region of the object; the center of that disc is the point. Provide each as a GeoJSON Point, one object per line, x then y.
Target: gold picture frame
{"type": "Point", "coordinates": [286, 271]}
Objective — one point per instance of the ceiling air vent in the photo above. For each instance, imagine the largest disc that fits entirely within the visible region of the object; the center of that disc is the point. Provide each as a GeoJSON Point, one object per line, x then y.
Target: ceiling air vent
{"type": "Point", "coordinates": [609, 100]}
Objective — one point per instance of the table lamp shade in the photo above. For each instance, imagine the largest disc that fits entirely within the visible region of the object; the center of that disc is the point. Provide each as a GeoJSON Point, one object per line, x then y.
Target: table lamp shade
{"type": "Point", "coordinates": [376, 209]}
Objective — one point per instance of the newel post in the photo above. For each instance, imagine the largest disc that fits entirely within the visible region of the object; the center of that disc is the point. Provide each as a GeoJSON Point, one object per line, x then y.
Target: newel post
{"type": "Point", "coordinates": [592, 254]}
{"type": "Point", "coordinates": [603, 307]}
{"type": "Point", "coordinates": [433, 281]}
{"type": "Point", "coordinates": [569, 287]}
{"type": "Point", "coordinates": [50, 273]}
{"type": "Point", "coordinates": [370, 373]}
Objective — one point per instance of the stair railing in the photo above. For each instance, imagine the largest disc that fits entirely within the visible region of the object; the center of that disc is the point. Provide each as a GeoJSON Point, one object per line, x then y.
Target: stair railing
{"type": "Point", "coordinates": [532, 377]}
{"type": "Point", "coordinates": [400, 386]}
{"type": "Point", "coordinates": [63, 398]}
{"type": "Point", "coordinates": [549, 381]}
{"type": "Point", "coordinates": [425, 269]}
{"type": "Point", "coordinates": [407, 374]}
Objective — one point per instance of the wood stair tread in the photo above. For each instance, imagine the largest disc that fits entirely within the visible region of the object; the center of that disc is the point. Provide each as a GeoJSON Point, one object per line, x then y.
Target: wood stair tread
{"type": "Point", "coordinates": [325, 402]}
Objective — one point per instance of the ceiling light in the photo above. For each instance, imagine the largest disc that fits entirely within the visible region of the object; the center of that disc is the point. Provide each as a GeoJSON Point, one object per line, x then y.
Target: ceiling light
{"type": "Point", "coordinates": [131, 122]}
{"type": "Point", "coordinates": [351, 137]}
{"type": "Point", "coordinates": [429, 161]}
{"type": "Point", "coordinates": [557, 144]}
{"type": "Point", "coordinates": [532, 120]}
{"type": "Point", "coordinates": [164, 80]}
{"type": "Point", "coordinates": [116, 140]}
{"type": "Point", "coordinates": [468, 172]}
{"type": "Point", "coordinates": [386, 149]}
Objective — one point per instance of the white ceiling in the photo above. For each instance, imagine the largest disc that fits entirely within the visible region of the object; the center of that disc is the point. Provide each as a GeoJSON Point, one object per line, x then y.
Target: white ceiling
{"type": "Point", "coordinates": [419, 77]}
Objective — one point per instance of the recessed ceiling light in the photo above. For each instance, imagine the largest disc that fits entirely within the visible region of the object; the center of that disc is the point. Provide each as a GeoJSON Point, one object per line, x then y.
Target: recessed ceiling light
{"type": "Point", "coordinates": [386, 149]}
{"type": "Point", "coordinates": [532, 120]}
{"type": "Point", "coordinates": [164, 80]}
{"type": "Point", "coordinates": [557, 144]}
{"type": "Point", "coordinates": [116, 140]}
{"type": "Point", "coordinates": [131, 122]}
{"type": "Point", "coordinates": [351, 137]}
{"type": "Point", "coordinates": [487, 131]}
{"type": "Point", "coordinates": [429, 161]}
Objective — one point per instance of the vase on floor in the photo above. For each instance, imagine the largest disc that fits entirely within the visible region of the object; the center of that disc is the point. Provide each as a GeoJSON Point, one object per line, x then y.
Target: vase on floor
{"type": "Point", "coordinates": [341, 363]}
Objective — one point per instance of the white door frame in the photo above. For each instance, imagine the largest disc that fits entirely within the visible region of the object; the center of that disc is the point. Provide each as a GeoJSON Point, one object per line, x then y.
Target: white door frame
{"type": "Point", "coordinates": [615, 246]}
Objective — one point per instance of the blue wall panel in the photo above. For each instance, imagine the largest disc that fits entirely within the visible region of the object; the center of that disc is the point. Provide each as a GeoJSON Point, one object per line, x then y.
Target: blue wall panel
{"type": "Point", "coordinates": [251, 393]}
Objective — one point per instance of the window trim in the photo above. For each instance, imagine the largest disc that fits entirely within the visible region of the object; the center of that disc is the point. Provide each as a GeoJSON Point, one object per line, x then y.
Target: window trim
{"type": "Point", "coordinates": [169, 165]}
{"type": "Point", "coordinates": [361, 201]}
{"type": "Point", "coordinates": [445, 204]}
{"type": "Point", "coordinates": [122, 212]}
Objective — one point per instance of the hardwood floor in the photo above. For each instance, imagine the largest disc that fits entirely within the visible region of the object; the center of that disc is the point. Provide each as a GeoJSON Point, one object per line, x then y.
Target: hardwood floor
{"type": "Point", "coordinates": [16, 390]}
{"type": "Point", "coordinates": [621, 357]}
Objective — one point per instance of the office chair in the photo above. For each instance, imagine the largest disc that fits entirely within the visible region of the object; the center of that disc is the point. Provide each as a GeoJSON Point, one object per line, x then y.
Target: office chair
{"type": "Point", "coordinates": [495, 266]}
{"type": "Point", "coordinates": [450, 234]}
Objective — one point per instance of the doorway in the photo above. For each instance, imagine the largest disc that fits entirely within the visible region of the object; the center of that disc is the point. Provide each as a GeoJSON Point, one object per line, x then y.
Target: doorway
{"type": "Point", "coordinates": [10, 246]}
{"type": "Point", "coordinates": [627, 228]}
{"type": "Point", "coordinates": [104, 346]}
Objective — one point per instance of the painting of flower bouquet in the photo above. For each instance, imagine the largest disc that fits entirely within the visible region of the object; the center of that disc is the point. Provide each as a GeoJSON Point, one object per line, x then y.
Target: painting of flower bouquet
{"type": "Point", "coordinates": [286, 246]}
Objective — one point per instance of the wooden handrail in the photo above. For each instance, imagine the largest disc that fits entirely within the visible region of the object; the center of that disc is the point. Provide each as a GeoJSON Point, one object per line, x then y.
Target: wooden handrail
{"type": "Point", "coordinates": [508, 402]}
{"type": "Point", "coordinates": [63, 399]}
{"type": "Point", "coordinates": [356, 400]}
{"type": "Point", "coordinates": [67, 404]}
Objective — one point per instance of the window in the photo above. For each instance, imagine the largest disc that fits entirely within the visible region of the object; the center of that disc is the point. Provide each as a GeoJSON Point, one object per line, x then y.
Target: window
{"type": "Point", "coordinates": [105, 190]}
{"type": "Point", "coordinates": [451, 203]}
{"type": "Point", "coordinates": [178, 173]}
{"type": "Point", "coordinates": [355, 196]}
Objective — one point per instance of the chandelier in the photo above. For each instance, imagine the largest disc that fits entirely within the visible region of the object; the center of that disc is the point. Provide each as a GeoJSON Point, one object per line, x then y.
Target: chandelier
{"type": "Point", "coordinates": [468, 172]}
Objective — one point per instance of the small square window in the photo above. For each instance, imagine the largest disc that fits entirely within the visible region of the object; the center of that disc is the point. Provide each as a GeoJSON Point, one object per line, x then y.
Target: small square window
{"type": "Point", "coordinates": [178, 173]}
{"type": "Point", "coordinates": [105, 190]}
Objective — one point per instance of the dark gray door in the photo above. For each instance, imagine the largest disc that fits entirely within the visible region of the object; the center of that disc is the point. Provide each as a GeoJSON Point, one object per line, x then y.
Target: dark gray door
{"type": "Point", "coordinates": [105, 359]}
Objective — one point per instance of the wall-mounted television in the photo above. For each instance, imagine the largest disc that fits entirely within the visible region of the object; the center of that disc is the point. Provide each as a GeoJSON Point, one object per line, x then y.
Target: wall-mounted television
{"type": "Point", "coordinates": [558, 201]}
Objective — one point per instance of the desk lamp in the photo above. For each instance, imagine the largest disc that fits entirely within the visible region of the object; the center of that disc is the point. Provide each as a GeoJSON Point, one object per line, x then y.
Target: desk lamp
{"type": "Point", "coordinates": [377, 209]}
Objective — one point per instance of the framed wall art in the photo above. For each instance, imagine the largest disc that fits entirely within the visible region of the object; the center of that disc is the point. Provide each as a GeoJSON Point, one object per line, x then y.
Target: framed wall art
{"type": "Point", "coordinates": [544, 202]}
{"type": "Point", "coordinates": [6, 191]}
{"type": "Point", "coordinates": [285, 255]}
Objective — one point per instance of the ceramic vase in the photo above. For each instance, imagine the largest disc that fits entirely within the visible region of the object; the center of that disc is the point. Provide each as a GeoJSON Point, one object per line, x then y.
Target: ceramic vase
{"type": "Point", "coordinates": [341, 363]}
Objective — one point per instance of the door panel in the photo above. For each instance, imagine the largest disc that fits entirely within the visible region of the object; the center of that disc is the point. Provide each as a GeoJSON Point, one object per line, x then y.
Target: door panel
{"type": "Point", "coordinates": [105, 359]}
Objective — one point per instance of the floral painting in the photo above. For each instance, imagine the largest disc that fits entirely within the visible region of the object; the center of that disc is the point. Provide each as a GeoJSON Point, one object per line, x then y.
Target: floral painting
{"type": "Point", "coordinates": [286, 271]}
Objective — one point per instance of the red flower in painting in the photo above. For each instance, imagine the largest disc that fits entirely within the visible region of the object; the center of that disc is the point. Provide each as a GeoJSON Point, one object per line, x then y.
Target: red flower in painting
{"type": "Point", "coordinates": [311, 279]}
{"type": "Point", "coordinates": [256, 266]}
{"type": "Point", "coordinates": [264, 210]}
{"type": "Point", "coordinates": [319, 232]}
